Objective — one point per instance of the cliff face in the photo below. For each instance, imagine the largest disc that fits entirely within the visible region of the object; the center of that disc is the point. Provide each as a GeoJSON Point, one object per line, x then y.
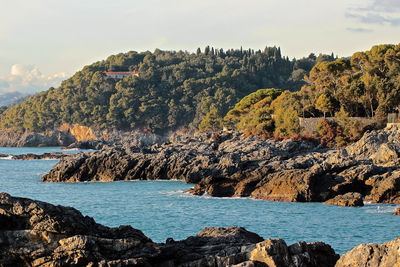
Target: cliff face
{"type": "Point", "coordinates": [9, 138]}
{"type": "Point", "coordinates": [34, 233]}
{"type": "Point", "coordinates": [230, 165]}
{"type": "Point", "coordinates": [80, 132]}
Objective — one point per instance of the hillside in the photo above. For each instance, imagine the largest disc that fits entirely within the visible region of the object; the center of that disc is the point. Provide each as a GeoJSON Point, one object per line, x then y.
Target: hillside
{"type": "Point", "coordinates": [365, 85]}
{"type": "Point", "coordinates": [173, 89]}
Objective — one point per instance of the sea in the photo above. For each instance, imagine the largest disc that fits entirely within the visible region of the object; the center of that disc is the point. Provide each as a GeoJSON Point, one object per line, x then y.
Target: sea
{"type": "Point", "coordinates": [163, 209]}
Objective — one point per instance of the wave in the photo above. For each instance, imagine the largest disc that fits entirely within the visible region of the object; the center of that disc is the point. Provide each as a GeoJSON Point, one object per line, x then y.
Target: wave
{"type": "Point", "coordinates": [72, 149]}
{"type": "Point", "coordinates": [380, 208]}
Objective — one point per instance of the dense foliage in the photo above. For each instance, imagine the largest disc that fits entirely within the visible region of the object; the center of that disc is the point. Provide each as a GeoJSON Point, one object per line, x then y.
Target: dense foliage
{"type": "Point", "coordinates": [173, 89]}
{"type": "Point", "coordinates": [365, 85]}
{"type": "Point", "coordinates": [252, 114]}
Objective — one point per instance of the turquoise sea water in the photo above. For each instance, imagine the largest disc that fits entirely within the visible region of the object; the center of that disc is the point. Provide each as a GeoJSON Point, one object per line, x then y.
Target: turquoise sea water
{"type": "Point", "coordinates": [161, 209]}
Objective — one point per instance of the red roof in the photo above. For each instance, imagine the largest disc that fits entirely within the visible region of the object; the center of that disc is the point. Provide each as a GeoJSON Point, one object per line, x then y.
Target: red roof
{"type": "Point", "coordinates": [121, 72]}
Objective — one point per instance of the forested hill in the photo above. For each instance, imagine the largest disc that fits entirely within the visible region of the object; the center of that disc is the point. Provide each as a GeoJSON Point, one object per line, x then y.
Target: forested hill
{"type": "Point", "coordinates": [172, 89]}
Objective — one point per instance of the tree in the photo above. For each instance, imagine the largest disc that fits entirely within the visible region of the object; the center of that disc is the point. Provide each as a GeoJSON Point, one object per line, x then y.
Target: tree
{"type": "Point", "coordinates": [324, 104]}
{"type": "Point", "coordinates": [286, 122]}
{"type": "Point", "coordinates": [212, 121]}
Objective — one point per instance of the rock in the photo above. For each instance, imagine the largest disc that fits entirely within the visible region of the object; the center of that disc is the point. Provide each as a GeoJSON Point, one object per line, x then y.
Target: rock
{"type": "Point", "coordinates": [397, 212]}
{"type": "Point", "coordinates": [288, 186]}
{"type": "Point", "coordinates": [230, 165]}
{"type": "Point", "coordinates": [384, 188]}
{"type": "Point", "coordinates": [275, 252]}
{"type": "Point", "coordinates": [386, 254]}
{"type": "Point", "coordinates": [385, 153]}
{"type": "Point", "coordinates": [347, 200]}
{"type": "Point", "coordinates": [31, 139]}
{"type": "Point", "coordinates": [35, 233]}
{"type": "Point", "coordinates": [87, 144]}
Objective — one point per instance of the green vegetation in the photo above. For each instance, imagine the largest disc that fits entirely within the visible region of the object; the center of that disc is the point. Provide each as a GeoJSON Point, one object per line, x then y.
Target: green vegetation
{"type": "Point", "coordinates": [173, 89]}
{"type": "Point", "coordinates": [253, 113]}
{"type": "Point", "coordinates": [212, 121]}
{"type": "Point", "coordinates": [365, 85]}
{"type": "Point", "coordinates": [177, 89]}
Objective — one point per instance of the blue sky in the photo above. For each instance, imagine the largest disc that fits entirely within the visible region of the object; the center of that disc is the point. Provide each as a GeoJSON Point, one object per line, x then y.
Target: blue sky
{"type": "Point", "coordinates": [45, 41]}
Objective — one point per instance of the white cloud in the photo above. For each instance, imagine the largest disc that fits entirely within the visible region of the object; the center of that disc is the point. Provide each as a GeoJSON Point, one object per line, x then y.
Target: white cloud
{"type": "Point", "coordinates": [28, 79]}
{"type": "Point", "coordinates": [378, 12]}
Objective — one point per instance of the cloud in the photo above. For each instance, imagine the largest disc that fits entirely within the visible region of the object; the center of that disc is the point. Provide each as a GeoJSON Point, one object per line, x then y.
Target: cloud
{"type": "Point", "coordinates": [359, 30]}
{"type": "Point", "coordinates": [387, 6]}
{"type": "Point", "coordinates": [378, 12]}
{"type": "Point", "coordinates": [28, 79]}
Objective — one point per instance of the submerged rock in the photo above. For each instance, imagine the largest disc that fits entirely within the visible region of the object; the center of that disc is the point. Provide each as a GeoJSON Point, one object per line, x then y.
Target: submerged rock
{"type": "Point", "coordinates": [347, 200]}
{"type": "Point", "coordinates": [35, 233]}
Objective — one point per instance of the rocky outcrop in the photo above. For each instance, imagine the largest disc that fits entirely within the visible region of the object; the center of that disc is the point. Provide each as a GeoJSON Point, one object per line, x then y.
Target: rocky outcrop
{"type": "Point", "coordinates": [397, 212]}
{"type": "Point", "coordinates": [383, 255]}
{"type": "Point", "coordinates": [347, 200]}
{"type": "Point", "coordinates": [10, 138]}
{"type": "Point", "coordinates": [30, 156]}
{"type": "Point", "coordinates": [275, 252]}
{"type": "Point", "coordinates": [35, 233]}
{"type": "Point", "coordinates": [228, 164]}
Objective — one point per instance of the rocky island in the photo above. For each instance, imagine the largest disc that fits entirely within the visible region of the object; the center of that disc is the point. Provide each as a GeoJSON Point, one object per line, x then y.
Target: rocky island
{"type": "Point", "coordinates": [35, 233]}
{"type": "Point", "coordinates": [228, 164]}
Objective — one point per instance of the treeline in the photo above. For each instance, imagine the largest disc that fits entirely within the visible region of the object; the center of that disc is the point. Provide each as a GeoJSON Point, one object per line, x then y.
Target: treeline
{"type": "Point", "coordinates": [173, 89]}
{"type": "Point", "coordinates": [365, 85]}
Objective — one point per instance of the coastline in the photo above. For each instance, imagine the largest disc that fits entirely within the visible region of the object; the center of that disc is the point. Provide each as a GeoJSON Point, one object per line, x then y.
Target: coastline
{"type": "Point", "coordinates": [41, 234]}
{"type": "Point", "coordinates": [230, 165]}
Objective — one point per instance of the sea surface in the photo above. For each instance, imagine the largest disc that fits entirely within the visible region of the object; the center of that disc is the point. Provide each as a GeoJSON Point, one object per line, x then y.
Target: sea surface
{"type": "Point", "coordinates": [161, 209]}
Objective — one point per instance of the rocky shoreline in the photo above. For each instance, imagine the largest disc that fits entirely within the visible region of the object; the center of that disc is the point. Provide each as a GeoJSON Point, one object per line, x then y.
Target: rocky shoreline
{"type": "Point", "coordinates": [35, 233]}
{"type": "Point", "coordinates": [229, 165]}
{"type": "Point", "coordinates": [31, 156]}
{"type": "Point", "coordinates": [9, 138]}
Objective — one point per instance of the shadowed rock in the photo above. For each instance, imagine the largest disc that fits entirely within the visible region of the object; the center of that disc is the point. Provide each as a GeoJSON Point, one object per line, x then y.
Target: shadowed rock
{"type": "Point", "coordinates": [230, 165]}
{"type": "Point", "coordinates": [35, 233]}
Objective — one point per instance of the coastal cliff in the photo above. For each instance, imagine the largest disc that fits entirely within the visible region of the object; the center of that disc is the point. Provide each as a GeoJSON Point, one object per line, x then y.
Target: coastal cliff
{"type": "Point", "coordinates": [10, 138]}
{"type": "Point", "coordinates": [228, 165]}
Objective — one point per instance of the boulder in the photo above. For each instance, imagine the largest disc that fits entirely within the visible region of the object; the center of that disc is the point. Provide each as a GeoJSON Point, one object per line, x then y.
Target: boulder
{"type": "Point", "coordinates": [347, 200]}
{"type": "Point", "coordinates": [397, 212]}
{"type": "Point", "coordinates": [275, 252]}
{"type": "Point", "coordinates": [379, 255]}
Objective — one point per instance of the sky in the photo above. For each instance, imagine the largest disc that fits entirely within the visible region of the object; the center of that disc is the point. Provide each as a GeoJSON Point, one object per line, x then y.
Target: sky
{"type": "Point", "coordinates": [43, 42]}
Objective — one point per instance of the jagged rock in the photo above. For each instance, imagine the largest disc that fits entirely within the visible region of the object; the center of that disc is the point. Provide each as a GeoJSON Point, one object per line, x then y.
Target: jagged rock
{"type": "Point", "coordinates": [231, 165]}
{"type": "Point", "coordinates": [384, 188]}
{"type": "Point", "coordinates": [383, 255]}
{"type": "Point", "coordinates": [35, 233]}
{"type": "Point", "coordinates": [347, 200]}
{"type": "Point", "coordinates": [397, 212]}
{"type": "Point", "coordinates": [87, 144]}
{"type": "Point", "coordinates": [30, 139]}
{"type": "Point", "coordinates": [275, 252]}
